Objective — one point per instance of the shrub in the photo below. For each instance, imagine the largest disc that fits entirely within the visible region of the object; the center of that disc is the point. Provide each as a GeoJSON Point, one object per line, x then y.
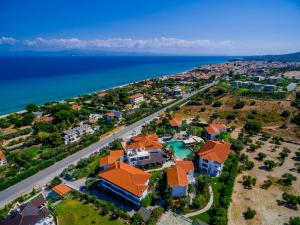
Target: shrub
{"type": "Point", "coordinates": [294, 220]}
{"type": "Point", "coordinates": [249, 181]}
{"type": "Point", "coordinates": [249, 214]}
{"type": "Point", "coordinates": [237, 145]}
{"type": "Point", "coordinates": [266, 184]}
{"type": "Point", "coordinates": [55, 181]}
{"type": "Point", "coordinates": [285, 113]}
{"type": "Point", "coordinates": [270, 164]}
{"type": "Point", "coordinates": [287, 179]}
{"type": "Point", "coordinates": [231, 117]}
{"type": "Point", "coordinates": [261, 156]}
{"type": "Point", "coordinates": [239, 105]}
{"type": "Point", "coordinates": [217, 104]}
{"type": "Point", "coordinates": [202, 109]}
{"type": "Point", "coordinates": [252, 126]}
{"type": "Point", "coordinates": [291, 199]}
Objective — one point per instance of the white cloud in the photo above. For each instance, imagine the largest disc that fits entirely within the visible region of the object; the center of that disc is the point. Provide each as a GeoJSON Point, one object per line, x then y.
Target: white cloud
{"type": "Point", "coordinates": [125, 43]}
{"type": "Point", "coordinates": [7, 40]}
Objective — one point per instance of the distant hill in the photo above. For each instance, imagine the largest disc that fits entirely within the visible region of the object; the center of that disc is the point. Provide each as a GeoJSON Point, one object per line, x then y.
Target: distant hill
{"type": "Point", "coordinates": [283, 58]}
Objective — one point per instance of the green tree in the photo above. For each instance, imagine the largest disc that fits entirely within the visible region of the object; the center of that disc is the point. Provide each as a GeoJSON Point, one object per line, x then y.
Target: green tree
{"type": "Point", "coordinates": [270, 164]}
{"type": "Point", "coordinates": [32, 107]}
{"type": "Point", "coordinates": [249, 214]}
{"type": "Point", "coordinates": [261, 156]}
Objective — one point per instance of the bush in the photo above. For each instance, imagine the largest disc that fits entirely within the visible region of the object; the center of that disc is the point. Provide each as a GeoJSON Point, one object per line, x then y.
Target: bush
{"type": "Point", "coordinates": [239, 105]}
{"type": "Point", "coordinates": [261, 156]}
{"type": "Point", "coordinates": [294, 220]}
{"type": "Point", "coordinates": [231, 117]}
{"type": "Point", "coordinates": [270, 164]}
{"type": "Point", "coordinates": [217, 104]}
{"type": "Point", "coordinates": [4, 123]}
{"type": "Point", "coordinates": [252, 126]}
{"type": "Point", "coordinates": [291, 199]}
{"type": "Point", "coordinates": [237, 145]}
{"type": "Point", "coordinates": [249, 214]}
{"type": "Point", "coordinates": [285, 113]}
{"type": "Point", "coordinates": [249, 181]}
{"type": "Point", "coordinates": [287, 179]}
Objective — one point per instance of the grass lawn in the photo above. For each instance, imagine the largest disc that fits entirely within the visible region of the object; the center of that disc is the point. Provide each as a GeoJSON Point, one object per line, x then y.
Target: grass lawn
{"type": "Point", "coordinates": [31, 152]}
{"type": "Point", "coordinates": [74, 212]}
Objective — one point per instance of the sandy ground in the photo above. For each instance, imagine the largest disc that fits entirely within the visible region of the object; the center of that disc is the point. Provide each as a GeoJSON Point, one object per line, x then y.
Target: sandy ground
{"type": "Point", "coordinates": [272, 108]}
{"type": "Point", "coordinates": [291, 74]}
{"type": "Point", "coordinates": [268, 212]}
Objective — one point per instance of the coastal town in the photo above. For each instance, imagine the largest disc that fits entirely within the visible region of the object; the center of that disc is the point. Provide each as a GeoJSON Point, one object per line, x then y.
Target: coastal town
{"type": "Point", "coordinates": [223, 149]}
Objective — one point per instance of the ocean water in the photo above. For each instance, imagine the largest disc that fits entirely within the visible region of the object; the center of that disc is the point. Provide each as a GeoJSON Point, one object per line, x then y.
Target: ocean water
{"type": "Point", "coordinates": [25, 80]}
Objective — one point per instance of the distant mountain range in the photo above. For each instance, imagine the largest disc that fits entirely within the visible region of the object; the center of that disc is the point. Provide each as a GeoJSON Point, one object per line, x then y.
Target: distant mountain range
{"type": "Point", "coordinates": [283, 58]}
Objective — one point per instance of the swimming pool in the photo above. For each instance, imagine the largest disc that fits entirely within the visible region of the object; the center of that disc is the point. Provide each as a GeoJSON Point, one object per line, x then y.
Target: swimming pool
{"type": "Point", "coordinates": [181, 151]}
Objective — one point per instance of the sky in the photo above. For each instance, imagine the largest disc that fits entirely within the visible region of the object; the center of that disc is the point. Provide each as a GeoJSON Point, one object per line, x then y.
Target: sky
{"type": "Point", "coordinates": [181, 27]}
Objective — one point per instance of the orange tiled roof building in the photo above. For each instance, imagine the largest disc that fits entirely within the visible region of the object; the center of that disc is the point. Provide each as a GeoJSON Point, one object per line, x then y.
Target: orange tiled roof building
{"type": "Point", "coordinates": [212, 157]}
{"type": "Point", "coordinates": [125, 181]}
{"type": "Point", "coordinates": [179, 177]}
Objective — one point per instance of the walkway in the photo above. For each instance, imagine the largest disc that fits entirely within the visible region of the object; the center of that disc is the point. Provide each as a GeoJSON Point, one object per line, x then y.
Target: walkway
{"type": "Point", "coordinates": [165, 165]}
{"type": "Point", "coordinates": [207, 207]}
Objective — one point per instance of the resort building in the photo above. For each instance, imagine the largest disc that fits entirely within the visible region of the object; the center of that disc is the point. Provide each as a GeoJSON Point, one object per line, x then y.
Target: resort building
{"type": "Point", "coordinates": [213, 130]}
{"type": "Point", "coordinates": [125, 181]}
{"type": "Point", "coordinates": [94, 117]}
{"type": "Point", "coordinates": [175, 122]}
{"type": "Point", "coordinates": [136, 98]}
{"type": "Point", "coordinates": [38, 114]}
{"type": "Point", "coordinates": [113, 115]}
{"type": "Point", "coordinates": [143, 150]}
{"type": "Point", "coordinates": [34, 212]}
{"type": "Point", "coordinates": [76, 133]}
{"type": "Point", "coordinates": [2, 159]}
{"type": "Point", "coordinates": [179, 177]}
{"type": "Point", "coordinates": [114, 156]}
{"type": "Point", "coordinates": [188, 167]}
{"type": "Point", "coordinates": [212, 156]}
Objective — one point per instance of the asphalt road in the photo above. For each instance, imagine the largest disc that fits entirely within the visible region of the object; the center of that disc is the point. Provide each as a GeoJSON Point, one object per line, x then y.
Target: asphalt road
{"type": "Point", "coordinates": [43, 177]}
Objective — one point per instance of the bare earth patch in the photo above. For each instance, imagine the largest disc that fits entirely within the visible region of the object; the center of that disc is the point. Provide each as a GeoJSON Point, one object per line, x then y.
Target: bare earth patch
{"type": "Point", "coordinates": [268, 212]}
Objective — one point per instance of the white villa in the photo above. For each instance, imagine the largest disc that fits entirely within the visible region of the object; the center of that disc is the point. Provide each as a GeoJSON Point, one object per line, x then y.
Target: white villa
{"type": "Point", "coordinates": [74, 134]}
{"type": "Point", "coordinates": [136, 98]}
{"type": "Point", "coordinates": [212, 157]}
{"type": "Point", "coordinates": [179, 177]}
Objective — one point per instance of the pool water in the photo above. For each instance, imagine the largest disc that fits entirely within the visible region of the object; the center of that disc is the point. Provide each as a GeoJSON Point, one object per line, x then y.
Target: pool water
{"type": "Point", "coordinates": [181, 151]}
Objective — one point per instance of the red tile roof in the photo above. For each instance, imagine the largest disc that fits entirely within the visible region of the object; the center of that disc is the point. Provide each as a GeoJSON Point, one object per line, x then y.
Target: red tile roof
{"type": "Point", "coordinates": [177, 177]}
{"type": "Point", "coordinates": [215, 128]}
{"type": "Point", "coordinates": [61, 189]}
{"type": "Point", "coordinates": [215, 151]}
{"type": "Point", "coordinates": [127, 177]}
{"type": "Point", "coordinates": [136, 96]}
{"type": "Point", "coordinates": [76, 107]}
{"type": "Point", "coordinates": [175, 122]}
{"type": "Point", "coordinates": [111, 158]}
{"type": "Point", "coordinates": [2, 156]}
{"type": "Point", "coordinates": [187, 166]}
{"type": "Point", "coordinates": [148, 142]}
{"type": "Point", "coordinates": [102, 94]}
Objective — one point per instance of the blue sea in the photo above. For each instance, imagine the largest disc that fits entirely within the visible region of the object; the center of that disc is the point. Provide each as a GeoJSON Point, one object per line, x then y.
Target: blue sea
{"type": "Point", "coordinates": [41, 79]}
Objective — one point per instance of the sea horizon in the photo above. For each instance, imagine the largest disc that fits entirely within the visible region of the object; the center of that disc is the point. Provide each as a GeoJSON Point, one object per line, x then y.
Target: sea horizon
{"type": "Point", "coordinates": [34, 79]}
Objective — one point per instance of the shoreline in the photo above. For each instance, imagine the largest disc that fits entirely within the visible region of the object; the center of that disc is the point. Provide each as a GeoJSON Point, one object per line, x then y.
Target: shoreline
{"type": "Point", "coordinates": [103, 90]}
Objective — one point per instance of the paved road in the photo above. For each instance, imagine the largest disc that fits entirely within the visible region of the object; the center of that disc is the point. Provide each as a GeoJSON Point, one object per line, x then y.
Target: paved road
{"type": "Point", "coordinates": [43, 177]}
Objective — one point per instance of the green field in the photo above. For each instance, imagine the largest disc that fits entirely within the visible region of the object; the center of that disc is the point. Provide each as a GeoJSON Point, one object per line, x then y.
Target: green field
{"type": "Point", "coordinates": [74, 212]}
